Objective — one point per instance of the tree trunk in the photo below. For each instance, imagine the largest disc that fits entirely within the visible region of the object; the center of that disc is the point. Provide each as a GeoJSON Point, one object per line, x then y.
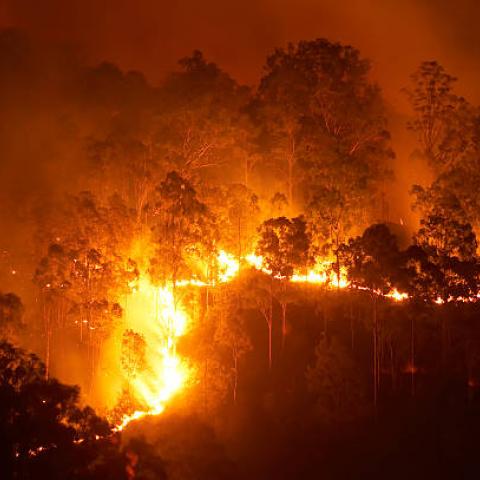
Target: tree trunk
{"type": "Point", "coordinates": [205, 387]}
{"type": "Point", "coordinates": [284, 322]}
{"type": "Point", "coordinates": [291, 162]}
{"type": "Point", "coordinates": [412, 355]}
{"type": "Point", "coordinates": [270, 324]}
{"type": "Point", "coordinates": [352, 329]}
{"type": "Point", "coordinates": [239, 241]}
{"type": "Point", "coordinates": [47, 347]}
{"type": "Point", "coordinates": [235, 370]}
{"type": "Point", "coordinates": [375, 353]}
{"type": "Point", "coordinates": [270, 344]}
{"type": "Point", "coordinates": [392, 368]}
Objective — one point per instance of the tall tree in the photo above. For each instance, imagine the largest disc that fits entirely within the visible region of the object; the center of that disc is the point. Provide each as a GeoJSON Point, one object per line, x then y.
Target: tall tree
{"type": "Point", "coordinates": [373, 261]}
{"type": "Point", "coordinates": [202, 118]}
{"type": "Point", "coordinates": [323, 119]}
{"type": "Point", "coordinates": [184, 229]}
{"type": "Point", "coordinates": [285, 246]}
{"type": "Point", "coordinates": [442, 120]}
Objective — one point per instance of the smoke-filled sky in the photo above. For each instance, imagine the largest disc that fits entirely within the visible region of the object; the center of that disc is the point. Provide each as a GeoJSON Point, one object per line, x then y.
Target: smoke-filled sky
{"type": "Point", "coordinates": [150, 35]}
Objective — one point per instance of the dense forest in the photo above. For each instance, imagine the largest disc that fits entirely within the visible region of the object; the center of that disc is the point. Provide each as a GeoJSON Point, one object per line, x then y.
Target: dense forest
{"type": "Point", "coordinates": [205, 280]}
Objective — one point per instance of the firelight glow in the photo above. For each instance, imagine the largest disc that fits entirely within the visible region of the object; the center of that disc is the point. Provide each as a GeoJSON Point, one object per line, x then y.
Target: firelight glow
{"type": "Point", "coordinates": [162, 319]}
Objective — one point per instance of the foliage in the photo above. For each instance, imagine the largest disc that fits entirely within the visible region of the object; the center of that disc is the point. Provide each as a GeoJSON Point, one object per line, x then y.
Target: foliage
{"type": "Point", "coordinates": [184, 229]}
{"type": "Point", "coordinates": [324, 119]}
{"type": "Point", "coordinates": [372, 259]}
{"type": "Point", "coordinates": [442, 120]}
{"type": "Point", "coordinates": [284, 245]}
{"type": "Point", "coordinates": [39, 414]}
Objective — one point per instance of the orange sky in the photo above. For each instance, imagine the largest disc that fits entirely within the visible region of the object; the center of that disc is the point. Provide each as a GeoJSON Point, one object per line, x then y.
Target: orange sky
{"type": "Point", "coordinates": [150, 35]}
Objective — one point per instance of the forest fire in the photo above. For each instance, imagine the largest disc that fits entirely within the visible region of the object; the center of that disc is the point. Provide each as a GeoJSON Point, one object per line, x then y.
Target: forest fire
{"type": "Point", "coordinates": [162, 320]}
{"type": "Point", "coordinates": [206, 279]}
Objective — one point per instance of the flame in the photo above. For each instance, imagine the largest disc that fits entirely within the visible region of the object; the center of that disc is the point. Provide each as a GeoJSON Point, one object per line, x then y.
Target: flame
{"type": "Point", "coordinates": [396, 295]}
{"type": "Point", "coordinates": [255, 261]}
{"type": "Point", "coordinates": [228, 266]}
{"type": "Point", "coordinates": [154, 312]}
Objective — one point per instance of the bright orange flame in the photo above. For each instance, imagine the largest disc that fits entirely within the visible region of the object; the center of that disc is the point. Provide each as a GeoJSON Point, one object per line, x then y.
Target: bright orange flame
{"type": "Point", "coordinates": [255, 261]}
{"type": "Point", "coordinates": [228, 266]}
{"type": "Point", "coordinates": [153, 312]}
{"type": "Point", "coordinates": [396, 295]}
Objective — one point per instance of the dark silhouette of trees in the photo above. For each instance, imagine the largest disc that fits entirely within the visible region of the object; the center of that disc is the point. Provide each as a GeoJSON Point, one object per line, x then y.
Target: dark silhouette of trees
{"type": "Point", "coordinates": [39, 414]}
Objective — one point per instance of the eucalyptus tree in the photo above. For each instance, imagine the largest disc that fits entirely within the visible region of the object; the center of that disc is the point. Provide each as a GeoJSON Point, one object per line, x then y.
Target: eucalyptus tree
{"type": "Point", "coordinates": [284, 245]}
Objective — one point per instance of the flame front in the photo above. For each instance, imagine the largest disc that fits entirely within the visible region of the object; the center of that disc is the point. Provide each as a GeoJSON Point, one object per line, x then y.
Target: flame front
{"type": "Point", "coordinates": [154, 312]}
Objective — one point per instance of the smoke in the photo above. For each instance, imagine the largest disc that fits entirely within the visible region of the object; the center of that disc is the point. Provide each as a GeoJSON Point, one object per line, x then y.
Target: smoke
{"type": "Point", "coordinates": [150, 36]}
{"type": "Point", "coordinates": [42, 113]}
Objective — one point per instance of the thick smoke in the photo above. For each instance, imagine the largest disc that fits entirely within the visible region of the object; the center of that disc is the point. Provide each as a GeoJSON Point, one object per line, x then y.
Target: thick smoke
{"type": "Point", "coordinates": [150, 36]}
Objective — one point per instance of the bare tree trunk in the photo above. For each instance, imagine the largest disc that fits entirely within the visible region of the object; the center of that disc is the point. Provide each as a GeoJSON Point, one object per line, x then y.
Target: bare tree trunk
{"type": "Point", "coordinates": [392, 368]}
{"type": "Point", "coordinates": [290, 164]}
{"type": "Point", "coordinates": [284, 322]}
{"type": "Point", "coordinates": [235, 370]}
{"type": "Point", "coordinates": [375, 353]}
{"type": "Point", "coordinates": [412, 355]}
{"type": "Point", "coordinates": [46, 316]}
{"type": "Point", "coordinates": [352, 329]}
{"type": "Point", "coordinates": [337, 265]}
{"type": "Point", "coordinates": [239, 241]}
{"type": "Point", "coordinates": [205, 386]}
{"type": "Point", "coordinates": [267, 314]}
{"type": "Point", "coordinates": [270, 344]}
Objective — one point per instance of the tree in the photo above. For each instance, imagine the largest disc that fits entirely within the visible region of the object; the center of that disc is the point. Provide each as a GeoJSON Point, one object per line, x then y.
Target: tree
{"type": "Point", "coordinates": [201, 118]}
{"type": "Point", "coordinates": [444, 228]}
{"type": "Point", "coordinates": [442, 120]}
{"type": "Point", "coordinates": [184, 229]}
{"type": "Point", "coordinates": [85, 273]}
{"type": "Point", "coordinates": [373, 261]}
{"type": "Point", "coordinates": [52, 277]}
{"type": "Point", "coordinates": [11, 313]}
{"type": "Point", "coordinates": [449, 241]}
{"type": "Point", "coordinates": [230, 333]}
{"type": "Point", "coordinates": [39, 415]}
{"type": "Point", "coordinates": [285, 246]}
{"type": "Point", "coordinates": [237, 211]}
{"type": "Point", "coordinates": [323, 119]}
